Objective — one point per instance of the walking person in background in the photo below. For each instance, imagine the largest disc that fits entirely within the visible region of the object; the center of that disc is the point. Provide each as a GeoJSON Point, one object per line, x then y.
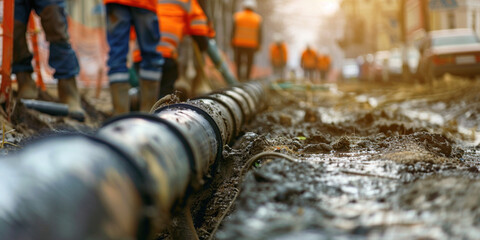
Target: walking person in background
{"type": "Point", "coordinates": [246, 38]}
{"type": "Point", "coordinates": [62, 57]}
{"type": "Point", "coordinates": [121, 16]}
{"type": "Point", "coordinates": [324, 62]}
{"type": "Point", "coordinates": [308, 63]}
{"type": "Point", "coordinates": [278, 56]}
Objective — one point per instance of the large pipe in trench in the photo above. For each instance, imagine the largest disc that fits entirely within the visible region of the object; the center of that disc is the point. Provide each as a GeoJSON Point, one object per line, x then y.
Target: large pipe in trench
{"type": "Point", "coordinates": [127, 180]}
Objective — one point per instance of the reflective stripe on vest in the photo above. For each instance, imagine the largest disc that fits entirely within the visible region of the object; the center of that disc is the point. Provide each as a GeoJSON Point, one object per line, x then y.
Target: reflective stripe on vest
{"type": "Point", "coordinates": [167, 49]}
{"type": "Point", "coordinates": [185, 5]}
{"type": "Point", "coordinates": [199, 22]}
{"type": "Point", "coordinates": [170, 36]}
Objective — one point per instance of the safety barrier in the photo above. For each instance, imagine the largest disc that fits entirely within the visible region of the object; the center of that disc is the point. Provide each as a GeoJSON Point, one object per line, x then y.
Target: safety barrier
{"type": "Point", "coordinates": [7, 49]}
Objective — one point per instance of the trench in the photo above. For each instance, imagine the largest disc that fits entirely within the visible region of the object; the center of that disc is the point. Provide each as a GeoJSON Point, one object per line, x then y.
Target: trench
{"type": "Point", "coordinates": [383, 161]}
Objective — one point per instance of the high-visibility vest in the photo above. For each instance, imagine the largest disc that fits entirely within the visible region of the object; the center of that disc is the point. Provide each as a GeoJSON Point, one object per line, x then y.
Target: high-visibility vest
{"type": "Point", "coordinates": [177, 18]}
{"type": "Point", "coordinates": [145, 4]}
{"type": "Point", "coordinates": [309, 59]}
{"type": "Point", "coordinates": [278, 54]}
{"type": "Point", "coordinates": [247, 29]}
{"type": "Point", "coordinates": [324, 62]}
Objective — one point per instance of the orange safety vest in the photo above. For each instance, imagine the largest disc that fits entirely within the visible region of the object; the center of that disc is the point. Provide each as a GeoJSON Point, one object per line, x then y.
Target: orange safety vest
{"type": "Point", "coordinates": [145, 4]}
{"type": "Point", "coordinates": [278, 54]}
{"type": "Point", "coordinates": [309, 59]}
{"type": "Point", "coordinates": [247, 29]}
{"type": "Point", "coordinates": [324, 62]}
{"type": "Point", "coordinates": [177, 18]}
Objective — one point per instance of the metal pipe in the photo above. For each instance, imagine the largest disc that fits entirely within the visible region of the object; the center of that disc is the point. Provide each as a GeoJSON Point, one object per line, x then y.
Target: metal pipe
{"type": "Point", "coordinates": [242, 102]}
{"type": "Point", "coordinates": [163, 157]}
{"type": "Point", "coordinates": [125, 182]}
{"type": "Point", "coordinates": [248, 98]}
{"type": "Point", "coordinates": [220, 114]}
{"type": "Point", "coordinates": [69, 187]}
{"type": "Point", "coordinates": [51, 108]}
{"type": "Point", "coordinates": [199, 129]}
{"type": "Point", "coordinates": [233, 107]}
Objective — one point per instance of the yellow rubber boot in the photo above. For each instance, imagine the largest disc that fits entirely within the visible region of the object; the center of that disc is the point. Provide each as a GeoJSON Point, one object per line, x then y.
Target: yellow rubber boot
{"type": "Point", "coordinates": [27, 88]}
{"type": "Point", "coordinates": [68, 94]}
{"type": "Point", "coordinates": [148, 94]}
{"type": "Point", "coordinates": [120, 97]}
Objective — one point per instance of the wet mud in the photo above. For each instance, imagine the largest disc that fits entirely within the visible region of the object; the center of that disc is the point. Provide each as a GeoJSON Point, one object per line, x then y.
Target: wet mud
{"type": "Point", "coordinates": [374, 161]}
{"type": "Point", "coordinates": [26, 125]}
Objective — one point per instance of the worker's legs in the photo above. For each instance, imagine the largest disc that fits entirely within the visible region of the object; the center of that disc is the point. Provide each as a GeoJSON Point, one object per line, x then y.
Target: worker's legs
{"type": "Point", "coordinates": [62, 57]}
{"type": "Point", "coordinates": [169, 76]}
{"type": "Point", "coordinates": [54, 22]}
{"type": "Point", "coordinates": [119, 21]}
{"type": "Point", "coordinates": [277, 72]}
{"type": "Point", "coordinates": [148, 36]}
{"type": "Point", "coordinates": [238, 62]}
{"type": "Point", "coordinates": [309, 74]}
{"type": "Point", "coordinates": [22, 58]}
{"type": "Point", "coordinates": [250, 52]}
{"type": "Point", "coordinates": [282, 73]}
{"type": "Point", "coordinates": [323, 75]}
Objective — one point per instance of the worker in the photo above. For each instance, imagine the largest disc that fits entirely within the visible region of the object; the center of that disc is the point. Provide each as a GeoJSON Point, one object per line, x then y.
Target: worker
{"type": "Point", "coordinates": [246, 38]}
{"type": "Point", "coordinates": [278, 56]}
{"type": "Point", "coordinates": [62, 57]}
{"type": "Point", "coordinates": [179, 17]}
{"type": "Point", "coordinates": [309, 63]}
{"type": "Point", "coordinates": [121, 16]}
{"type": "Point", "coordinates": [324, 63]}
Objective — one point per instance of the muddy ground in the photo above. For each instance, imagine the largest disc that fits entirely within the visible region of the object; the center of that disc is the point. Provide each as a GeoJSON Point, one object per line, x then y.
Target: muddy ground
{"type": "Point", "coordinates": [26, 125]}
{"type": "Point", "coordinates": [374, 161]}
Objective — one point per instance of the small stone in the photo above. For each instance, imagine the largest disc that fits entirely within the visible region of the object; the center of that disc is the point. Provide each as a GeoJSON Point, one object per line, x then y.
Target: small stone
{"type": "Point", "coordinates": [285, 120]}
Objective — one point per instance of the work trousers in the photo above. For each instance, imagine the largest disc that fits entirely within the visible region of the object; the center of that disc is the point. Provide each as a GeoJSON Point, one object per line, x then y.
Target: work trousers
{"type": "Point", "coordinates": [120, 18]}
{"type": "Point", "coordinates": [309, 73]}
{"type": "Point", "coordinates": [62, 58]}
{"type": "Point", "coordinates": [244, 59]}
{"type": "Point", "coordinates": [169, 76]}
{"type": "Point", "coordinates": [279, 72]}
{"type": "Point", "coordinates": [323, 75]}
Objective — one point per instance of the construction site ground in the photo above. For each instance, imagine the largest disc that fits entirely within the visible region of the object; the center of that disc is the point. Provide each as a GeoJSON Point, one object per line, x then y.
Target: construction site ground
{"type": "Point", "coordinates": [373, 161]}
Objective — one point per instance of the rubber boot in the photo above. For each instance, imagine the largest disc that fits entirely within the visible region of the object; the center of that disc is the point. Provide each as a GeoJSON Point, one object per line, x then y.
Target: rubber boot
{"type": "Point", "coordinates": [27, 88]}
{"type": "Point", "coordinates": [148, 94]}
{"type": "Point", "coordinates": [68, 94]}
{"type": "Point", "coordinates": [120, 97]}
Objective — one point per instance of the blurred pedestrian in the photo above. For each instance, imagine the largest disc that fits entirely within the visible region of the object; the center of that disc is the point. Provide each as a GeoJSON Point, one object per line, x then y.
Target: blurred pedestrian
{"type": "Point", "coordinates": [121, 16]}
{"type": "Point", "coordinates": [278, 56]}
{"type": "Point", "coordinates": [179, 18]}
{"type": "Point", "coordinates": [309, 63]}
{"type": "Point", "coordinates": [324, 63]}
{"type": "Point", "coordinates": [62, 57]}
{"type": "Point", "coordinates": [246, 38]}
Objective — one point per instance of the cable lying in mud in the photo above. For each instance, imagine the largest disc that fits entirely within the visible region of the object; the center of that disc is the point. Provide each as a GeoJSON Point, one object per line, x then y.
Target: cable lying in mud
{"type": "Point", "coordinates": [245, 168]}
{"type": "Point", "coordinates": [127, 180]}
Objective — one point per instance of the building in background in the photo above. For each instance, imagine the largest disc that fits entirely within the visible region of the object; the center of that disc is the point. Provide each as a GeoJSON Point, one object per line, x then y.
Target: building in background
{"type": "Point", "coordinates": [455, 14]}
{"type": "Point", "coordinates": [370, 26]}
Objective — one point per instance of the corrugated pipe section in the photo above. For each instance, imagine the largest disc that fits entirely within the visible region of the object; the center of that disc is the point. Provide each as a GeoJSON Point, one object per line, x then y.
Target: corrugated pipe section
{"type": "Point", "coordinates": [127, 180]}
